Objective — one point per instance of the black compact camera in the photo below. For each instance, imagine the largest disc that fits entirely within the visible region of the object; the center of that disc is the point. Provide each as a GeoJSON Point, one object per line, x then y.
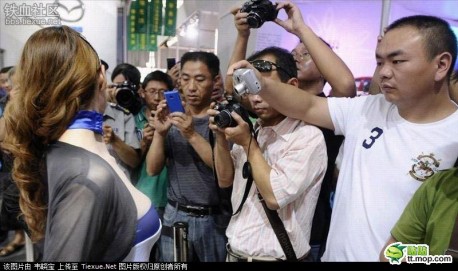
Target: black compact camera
{"type": "Point", "coordinates": [259, 11]}
{"type": "Point", "coordinates": [127, 97]}
{"type": "Point", "coordinates": [224, 118]}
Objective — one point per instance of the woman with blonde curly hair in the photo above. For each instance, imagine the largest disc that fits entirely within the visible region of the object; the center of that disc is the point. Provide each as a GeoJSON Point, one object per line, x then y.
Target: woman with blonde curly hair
{"type": "Point", "coordinates": [72, 193]}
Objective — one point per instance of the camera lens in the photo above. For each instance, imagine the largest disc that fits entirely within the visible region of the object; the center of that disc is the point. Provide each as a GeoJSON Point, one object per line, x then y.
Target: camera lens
{"type": "Point", "coordinates": [125, 97]}
{"type": "Point", "coordinates": [224, 119]}
{"type": "Point", "coordinates": [240, 88]}
{"type": "Point", "coordinates": [254, 21]}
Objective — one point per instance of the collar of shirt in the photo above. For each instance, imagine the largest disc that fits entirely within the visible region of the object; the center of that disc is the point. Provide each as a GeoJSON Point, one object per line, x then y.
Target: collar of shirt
{"type": "Point", "coordinates": [141, 115]}
{"type": "Point", "coordinates": [283, 129]}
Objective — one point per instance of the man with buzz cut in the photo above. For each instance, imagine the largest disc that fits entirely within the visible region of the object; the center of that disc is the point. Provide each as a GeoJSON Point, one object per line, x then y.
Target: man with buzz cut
{"type": "Point", "coordinates": [393, 142]}
{"type": "Point", "coordinates": [310, 79]}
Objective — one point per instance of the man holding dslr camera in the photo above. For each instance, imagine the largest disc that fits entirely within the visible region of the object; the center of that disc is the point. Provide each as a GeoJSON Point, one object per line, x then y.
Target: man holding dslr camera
{"type": "Point", "coordinates": [287, 159]}
{"type": "Point", "coordinates": [408, 137]}
{"type": "Point", "coordinates": [119, 131]}
{"type": "Point", "coordinates": [252, 15]}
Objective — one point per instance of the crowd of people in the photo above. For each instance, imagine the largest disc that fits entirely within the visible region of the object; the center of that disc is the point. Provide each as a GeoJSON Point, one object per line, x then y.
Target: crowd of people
{"type": "Point", "coordinates": [97, 171]}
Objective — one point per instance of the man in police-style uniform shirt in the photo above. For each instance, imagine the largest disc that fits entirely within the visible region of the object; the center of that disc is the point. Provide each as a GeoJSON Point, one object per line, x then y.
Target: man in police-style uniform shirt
{"type": "Point", "coordinates": [119, 131]}
{"type": "Point", "coordinates": [120, 136]}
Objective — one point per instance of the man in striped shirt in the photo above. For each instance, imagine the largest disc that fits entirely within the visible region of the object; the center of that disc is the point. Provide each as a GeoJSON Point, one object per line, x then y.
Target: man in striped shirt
{"type": "Point", "coordinates": [288, 161]}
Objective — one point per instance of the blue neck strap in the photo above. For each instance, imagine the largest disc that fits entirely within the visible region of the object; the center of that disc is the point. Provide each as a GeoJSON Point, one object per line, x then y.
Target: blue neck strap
{"type": "Point", "coordinates": [90, 120]}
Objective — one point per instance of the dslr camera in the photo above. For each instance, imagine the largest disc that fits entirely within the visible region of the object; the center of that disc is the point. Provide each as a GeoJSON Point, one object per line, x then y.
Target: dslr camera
{"type": "Point", "coordinates": [259, 11]}
{"type": "Point", "coordinates": [127, 97]}
{"type": "Point", "coordinates": [245, 81]}
{"type": "Point", "coordinates": [224, 118]}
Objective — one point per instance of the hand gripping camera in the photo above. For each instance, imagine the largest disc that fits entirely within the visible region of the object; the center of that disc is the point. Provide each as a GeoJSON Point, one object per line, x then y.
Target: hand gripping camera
{"type": "Point", "coordinates": [245, 81]}
{"type": "Point", "coordinates": [224, 118]}
{"type": "Point", "coordinates": [259, 11]}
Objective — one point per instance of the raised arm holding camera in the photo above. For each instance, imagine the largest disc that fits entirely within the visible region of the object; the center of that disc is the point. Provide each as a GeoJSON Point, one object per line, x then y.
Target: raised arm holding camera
{"type": "Point", "coordinates": [286, 159]}
{"type": "Point", "coordinates": [392, 140]}
{"type": "Point", "coordinates": [311, 78]}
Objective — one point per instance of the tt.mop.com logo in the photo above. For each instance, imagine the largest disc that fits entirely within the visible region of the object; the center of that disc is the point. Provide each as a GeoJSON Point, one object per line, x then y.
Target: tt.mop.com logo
{"type": "Point", "coordinates": [411, 253]}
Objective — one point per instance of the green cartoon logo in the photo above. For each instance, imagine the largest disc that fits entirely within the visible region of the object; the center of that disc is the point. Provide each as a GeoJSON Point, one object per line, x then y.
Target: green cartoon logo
{"type": "Point", "coordinates": [395, 253]}
{"type": "Point", "coordinates": [413, 253]}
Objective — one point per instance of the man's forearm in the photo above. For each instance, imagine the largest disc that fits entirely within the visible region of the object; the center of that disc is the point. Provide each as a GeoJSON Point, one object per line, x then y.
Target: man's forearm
{"type": "Point", "coordinates": [126, 153]}
{"type": "Point", "coordinates": [223, 162]}
{"type": "Point", "coordinates": [328, 63]}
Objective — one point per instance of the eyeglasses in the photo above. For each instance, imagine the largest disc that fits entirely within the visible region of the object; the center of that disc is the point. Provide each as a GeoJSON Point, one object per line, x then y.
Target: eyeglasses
{"type": "Point", "coordinates": [152, 91]}
{"type": "Point", "coordinates": [267, 66]}
{"type": "Point", "coordinates": [300, 57]}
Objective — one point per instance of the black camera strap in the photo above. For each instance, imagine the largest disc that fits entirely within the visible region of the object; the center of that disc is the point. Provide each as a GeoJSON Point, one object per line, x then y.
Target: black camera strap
{"type": "Point", "coordinates": [224, 194]}
{"type": "Point", "coordinates": [246, 174]}
{"type": "Point", "coordinates": [277, 225]}
{"type": "Point", "coordinates": [246, 169]}
{"type": "Point", "coordinates": [280, 231]}
{"type": "Point", "coordinates": [274, 219]}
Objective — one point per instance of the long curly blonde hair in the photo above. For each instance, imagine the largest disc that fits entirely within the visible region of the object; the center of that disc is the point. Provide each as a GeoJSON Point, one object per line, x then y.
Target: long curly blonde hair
{"type": "Point", "coordinates": [56, 76]}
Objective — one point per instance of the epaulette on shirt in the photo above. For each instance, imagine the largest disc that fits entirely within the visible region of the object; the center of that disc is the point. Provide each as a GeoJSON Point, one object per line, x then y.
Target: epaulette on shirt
{"type": "Point", "coordinates": [120, 108]}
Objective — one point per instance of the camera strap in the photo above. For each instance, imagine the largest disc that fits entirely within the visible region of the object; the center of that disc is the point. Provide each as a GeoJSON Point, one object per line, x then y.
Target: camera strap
{"type": "Point", "coordinates": [246, 174]}
{"type": "Point", "coordinates": [274, 219]}
{"type": "Point", "coordinates": [277, 225]}
{"type": "Point", "coordinates": [280, 231]}
{"type": "Point", "coordinates": [224, 194]}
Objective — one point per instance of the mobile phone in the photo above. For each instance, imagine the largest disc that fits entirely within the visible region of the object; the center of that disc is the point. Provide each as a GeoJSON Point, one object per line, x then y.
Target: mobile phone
{"type": "Point", "coordinates": [173, 101]}
{"type": "Point", "coordinates": [170, 63]}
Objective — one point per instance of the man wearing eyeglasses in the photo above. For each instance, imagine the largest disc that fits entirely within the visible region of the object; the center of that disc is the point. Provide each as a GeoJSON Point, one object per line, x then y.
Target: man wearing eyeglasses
{"type": "Point", "coordinates": [119, 132]}
{"type": "Point", "coordinates": [155, 187]}
{"type": "Point", "coordinates": [287, 158]}
{"type": "Point", "coordinates": [408, 137]}
{"type": "Point", "coordinates": [310, 79]}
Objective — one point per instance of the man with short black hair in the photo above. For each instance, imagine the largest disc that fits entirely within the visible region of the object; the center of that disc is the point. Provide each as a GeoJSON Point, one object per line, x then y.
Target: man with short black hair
{"type": "Point", "coordinates": [181, 141]}
{"type": "Point", "coordinates": [119, 132]}
{"type": "Point", "coordinates": [287, 158]}
{"type": "Point", "coordinates": [394, 141]}
{"type": "Point", "coordinates": [155, 187]}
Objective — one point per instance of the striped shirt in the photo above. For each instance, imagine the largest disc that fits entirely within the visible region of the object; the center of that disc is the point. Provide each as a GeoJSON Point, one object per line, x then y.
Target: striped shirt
{"type": "Point", "coordinates": [297, 154]}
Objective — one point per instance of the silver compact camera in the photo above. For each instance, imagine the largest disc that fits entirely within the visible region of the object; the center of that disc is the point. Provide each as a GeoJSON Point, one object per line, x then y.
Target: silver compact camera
{"type": "Point", "coordinates": [245, 81]}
